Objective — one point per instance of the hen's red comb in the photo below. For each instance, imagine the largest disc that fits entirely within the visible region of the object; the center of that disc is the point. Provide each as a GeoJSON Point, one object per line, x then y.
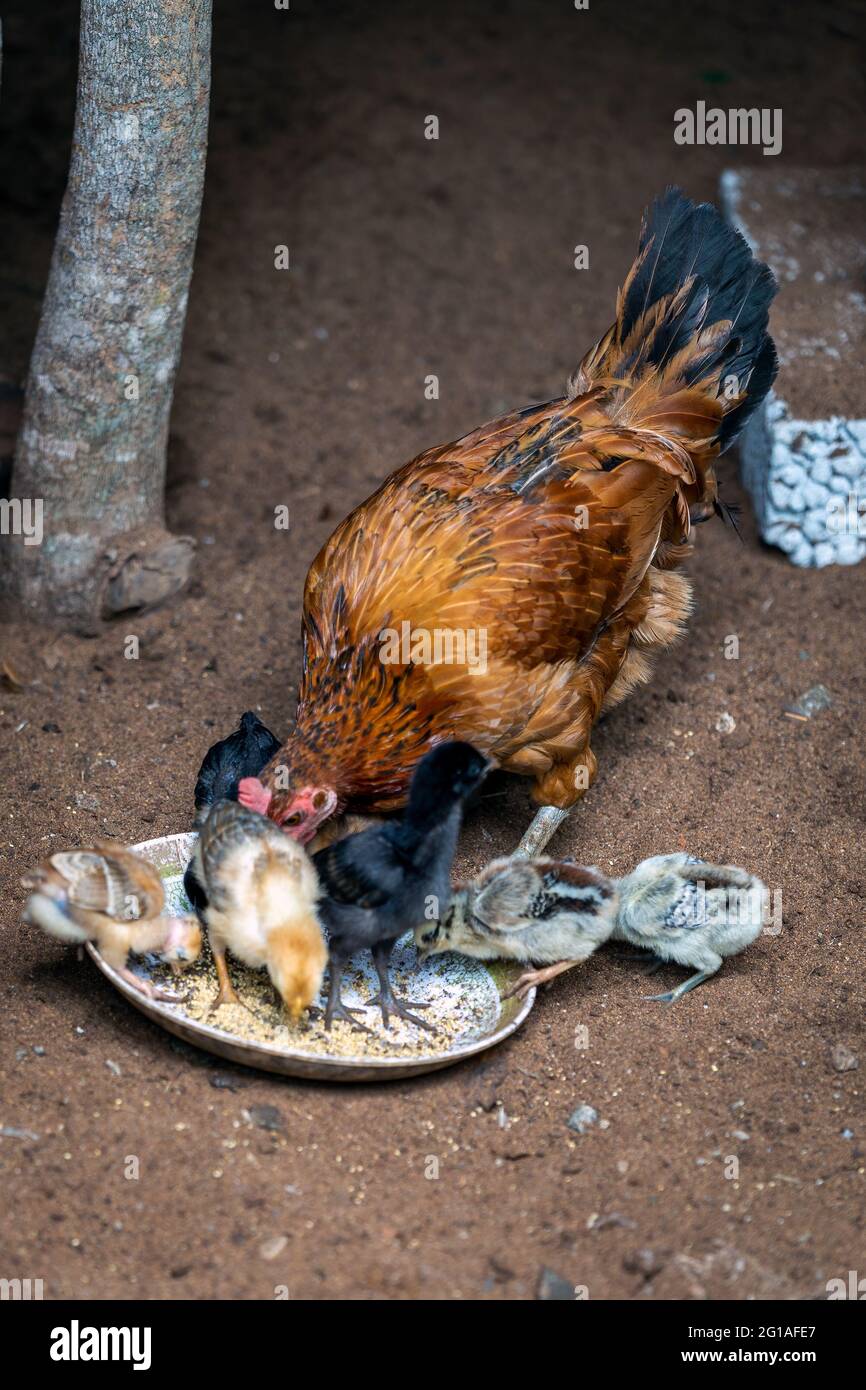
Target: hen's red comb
{"type": "Point", "coordinates": [253, 795]}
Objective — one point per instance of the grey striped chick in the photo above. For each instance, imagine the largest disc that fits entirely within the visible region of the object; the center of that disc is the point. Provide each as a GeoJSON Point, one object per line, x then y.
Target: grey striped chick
{"type": "Point", "coordinates": [683, 909]}
{"type": "Point", "coordinates": [546, 911]}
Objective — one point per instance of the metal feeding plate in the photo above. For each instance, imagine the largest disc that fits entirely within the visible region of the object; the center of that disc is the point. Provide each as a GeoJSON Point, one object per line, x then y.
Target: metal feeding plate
{"type": "Point", "coordinates": [466, 1008]}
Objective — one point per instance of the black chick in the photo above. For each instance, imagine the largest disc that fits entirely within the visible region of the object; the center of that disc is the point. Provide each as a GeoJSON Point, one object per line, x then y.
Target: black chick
{"type": "Point", "coordinates": [242, 754]}
{"type": "Point", "coordinates": [384, 881]}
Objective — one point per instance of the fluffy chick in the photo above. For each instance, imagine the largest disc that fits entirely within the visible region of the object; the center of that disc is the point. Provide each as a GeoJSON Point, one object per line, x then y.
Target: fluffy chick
{"type": "Point", "coordinates": [683, 909]}
{"type": "Point", "coordinates": [262, 892]}
{"type": "Point", "coordinates": [540, 910]}
{"type": "Point", "coordinates": [109, 895]}
{"type": "Point", "coordinates": [383, 881]}
{"type": "Point", "coordinates": [241, 754]}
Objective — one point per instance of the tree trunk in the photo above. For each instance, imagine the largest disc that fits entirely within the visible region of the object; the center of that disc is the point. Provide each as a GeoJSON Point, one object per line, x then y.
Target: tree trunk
{"type": "Point", "coordinates": [93, 441]}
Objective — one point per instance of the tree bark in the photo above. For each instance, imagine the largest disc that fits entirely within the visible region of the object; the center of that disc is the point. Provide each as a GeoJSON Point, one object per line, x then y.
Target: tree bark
{"type": "Point", "coordinates": [93, 440]}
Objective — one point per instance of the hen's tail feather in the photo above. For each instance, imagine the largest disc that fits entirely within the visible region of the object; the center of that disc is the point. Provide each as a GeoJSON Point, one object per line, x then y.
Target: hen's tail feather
{"type": "Point", "coordinates": [689, 355]}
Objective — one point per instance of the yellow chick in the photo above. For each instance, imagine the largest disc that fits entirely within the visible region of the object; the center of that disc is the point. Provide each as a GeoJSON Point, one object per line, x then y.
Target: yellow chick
{"type": "Point", "coordinates": [261, 891]}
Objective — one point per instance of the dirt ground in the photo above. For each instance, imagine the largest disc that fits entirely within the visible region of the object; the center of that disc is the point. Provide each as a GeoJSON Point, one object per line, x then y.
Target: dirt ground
{"type": "Point", "coordinates": [452, 257]}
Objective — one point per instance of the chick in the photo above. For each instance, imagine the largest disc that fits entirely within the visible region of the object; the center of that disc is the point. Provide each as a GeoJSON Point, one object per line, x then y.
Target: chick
{"type": "Point", "coordinates": [241, 754]}
{"type": "Point", "coordinates": [385, 880]}
{"type": "Point", "coordinates": [537, 910]}
{"type": "Point", "coordinates": [683, 909]}
{"type": "Point", "coordinates": [261, 891]}
{"type": "Point", "coordinates": [109, 895]}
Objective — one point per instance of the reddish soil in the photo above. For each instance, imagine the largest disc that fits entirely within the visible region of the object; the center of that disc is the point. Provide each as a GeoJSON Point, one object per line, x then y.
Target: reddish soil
{"type": "Point", "coordinates": [453, 257]}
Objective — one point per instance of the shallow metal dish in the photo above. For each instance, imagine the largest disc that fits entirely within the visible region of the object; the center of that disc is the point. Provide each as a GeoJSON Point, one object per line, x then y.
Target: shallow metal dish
{"type": "Point", "coordinates": [455, 974]}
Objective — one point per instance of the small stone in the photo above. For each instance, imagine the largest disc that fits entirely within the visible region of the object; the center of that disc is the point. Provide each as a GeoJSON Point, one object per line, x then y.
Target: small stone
{"type": "Point", "coordinates": [112, 1067]}
{"type": "Point", "coordinates": [222, 1081]}
{"type": "Point", "coordinates": [645, 1262]}
{"type": "Point", "coordinates": [552, 1287]}
{"type": "Point", "coordinates": [813, 494]}
{"type": "Point", "coordinates": [815, 526]}
{"type": "Point", "coordinates": [266, 1117]}
{"type": "Point", "coordinates": [843, 1058]}
{"type": "Point", "coordinates": [840, 485]}
{"type": "Point", "coordinates": [850, 550]}
{"type": "Point", "coordinates": [792, 474]}
{"type": "Point", "coordinates": [582, 1119]}
{"type": "Point", "coordinates": [811, 702]}
{"type": "Point", "coordinates": [824, 554]}
{"type": "Point", "coordinates": [13, 1132]}
{"type": "Point", "coordinates": [270, 1249]}
{"type": "Point", "coordinates": [780, 496]}
{"type": "Point", "coordinates": [86, 801]}
{"type": "Point", "coordinates": [849, 465]}
{"type": "Point", "coordinates": [821, 471]}
{"type": "Point", "coordinates": [600, 1221]}
{"type": "Point", "coordinates": [726, 723]}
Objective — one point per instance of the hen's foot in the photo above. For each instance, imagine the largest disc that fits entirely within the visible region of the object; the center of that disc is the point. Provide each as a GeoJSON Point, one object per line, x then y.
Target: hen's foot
{"type": "Point", "coordinates": [531, 979]}
{"type": "Point", "coordinates": [389, 1003]}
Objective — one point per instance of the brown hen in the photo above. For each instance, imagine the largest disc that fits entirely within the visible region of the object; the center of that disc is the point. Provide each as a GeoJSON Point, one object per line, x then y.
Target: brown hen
{"type": "Point", "coordinates": [545, 542]}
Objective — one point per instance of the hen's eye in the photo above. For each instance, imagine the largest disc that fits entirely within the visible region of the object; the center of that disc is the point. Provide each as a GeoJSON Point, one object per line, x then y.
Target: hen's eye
{"type": "Point", "coordinates": [294, 819]}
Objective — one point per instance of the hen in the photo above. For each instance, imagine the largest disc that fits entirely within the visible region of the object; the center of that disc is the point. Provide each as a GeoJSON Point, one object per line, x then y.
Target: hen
{"type": "Point", "coordinates": [507, 588]}
{"type": "Point", "coordinates": [241, 754]}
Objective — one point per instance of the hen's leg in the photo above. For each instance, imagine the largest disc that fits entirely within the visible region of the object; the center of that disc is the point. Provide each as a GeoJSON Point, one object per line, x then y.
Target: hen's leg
{"type": "Point", "coordinates": [385, 999]}
{"type": "Point", "coordinates": [530, 979]}
{"type": "Point", "coordinates": [564, 784]}
{"type": "Point", "coordinates": [335, 1007]}
{"type": "Point", "coordinates": [542, 827]}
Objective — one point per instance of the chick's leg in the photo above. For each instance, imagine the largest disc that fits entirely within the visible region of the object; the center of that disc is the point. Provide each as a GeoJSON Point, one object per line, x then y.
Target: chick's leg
{"type": "Point", "coordinates": [226, 994]}
{"type": "Point", "coordinates": [386, 1000]}
{"type": "Point", "coordinates": [530, 979]}
{"type": "Point", "coordinates": [672, 995]}
{"type": "Point", "coordinates": [335, 1007]}
{"type": "Point", "coordinates": [148, 989]}
{"type": "Point", "coordinates": [114, 944]}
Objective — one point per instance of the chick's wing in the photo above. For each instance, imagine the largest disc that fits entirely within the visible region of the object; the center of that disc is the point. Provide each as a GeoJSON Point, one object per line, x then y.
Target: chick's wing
{"type": "Point", "coordinates": [363, 870]}
{"type": "Point", "coordinates": [111, 880]}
